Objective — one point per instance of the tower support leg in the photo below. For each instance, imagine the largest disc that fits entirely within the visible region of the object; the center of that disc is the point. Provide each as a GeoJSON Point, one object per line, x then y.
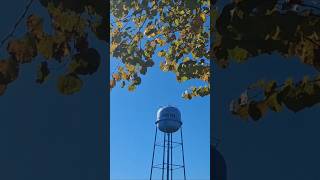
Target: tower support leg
{"type": "Point", "coordinates": [164, 154]}
{"type": "Point", "coordinates": [184, 169]}
{"type": "Point", "coordinates": [168, 156]}
{"type": "Point", "coordinates": [154, 147]}
{"type": "Point", "coordinates": [171, 153]}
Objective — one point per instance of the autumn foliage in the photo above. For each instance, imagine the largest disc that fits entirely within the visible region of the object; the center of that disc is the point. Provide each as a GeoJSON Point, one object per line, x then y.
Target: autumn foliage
{"type": "Point", "coordinates": [67, 43]}
{"type": "Point", "coordinates": [175, 31]}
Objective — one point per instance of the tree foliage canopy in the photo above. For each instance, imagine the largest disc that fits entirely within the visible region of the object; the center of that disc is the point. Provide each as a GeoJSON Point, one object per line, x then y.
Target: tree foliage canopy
{"type": "Point", "coordinates": [176, 31]}
{"type": "Point", "coordinates": [65, 43]}
{"type": "Point", "coordinates": [249, 28]}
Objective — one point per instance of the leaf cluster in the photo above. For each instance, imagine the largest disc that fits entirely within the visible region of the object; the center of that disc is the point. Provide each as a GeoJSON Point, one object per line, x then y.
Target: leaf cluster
{"type": "Point", "coordinates": [175, 31]}
{"type": "Point", "coordinates": [66, 43]}
{"type": "Point", "coordinates": [249, 28]}
{"type": "Point", "coordinates": [293, 96]}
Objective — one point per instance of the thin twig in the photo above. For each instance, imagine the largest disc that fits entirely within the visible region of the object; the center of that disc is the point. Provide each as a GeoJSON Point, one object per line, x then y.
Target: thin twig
{"type": "Point", "coordinates": [16, 24]}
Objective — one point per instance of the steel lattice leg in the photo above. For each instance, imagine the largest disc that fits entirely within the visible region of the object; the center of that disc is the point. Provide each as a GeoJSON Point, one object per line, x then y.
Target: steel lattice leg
{"type": "Point", "coordinates": [164, 153]}
{"type": "Point", "coordinates": [154, 147]}
{"type": "Point", "coordinates": [184, 169]}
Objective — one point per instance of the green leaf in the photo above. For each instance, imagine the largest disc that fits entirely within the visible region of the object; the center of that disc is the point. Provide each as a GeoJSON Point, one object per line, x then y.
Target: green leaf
{"type": "Point", "coordinates": [270, 88]}
{"type": "Point", "coordinates": [45, 46]}
{"type": "Point", "coordinates": [273, 103]}
{"type": "Point", "coordinates": [132, 87]}
{"type": "Point", "coordinates": [238, 54]}
{"type": "Point", "coordinates": [69, 84]}
{"type": "Point", "coordinates": [184, 78]}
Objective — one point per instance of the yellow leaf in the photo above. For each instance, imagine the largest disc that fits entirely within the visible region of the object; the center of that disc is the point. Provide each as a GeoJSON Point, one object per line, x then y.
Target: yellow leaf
{"type": "Point", "coordinates": [116, 76]}
{"type": "Point", "coordinates": [151, 35]}
{"type": "Point", "coordinates": [161, 53]}
{"type": "Point", "coordinates": [113, 47]}
{"type": "Point", "coordinates": [206, 77]}
{"type": "Point", "coordinates": [130, 68]}
{"type": "Point", "coordinates": [186, 59]}
{"type": "Point", "coordinates": [243, 112]}
{"type": "Point", "coordinates": [112, 83]}
{"type": "Point", "coordinates": [276, 34]}
{"type": "Point", "coordinates": [203, 17]}
{"type": "Point", "coordinates": [119, 24]}
{"type": "Point", "coordinates": [136, 38]}
{"type": "Point", "coordinates": [124, 76]}
{"type": "Point", "coordinates": [160, 41]}
{"type": "Point", "coordinates": [238, 54]}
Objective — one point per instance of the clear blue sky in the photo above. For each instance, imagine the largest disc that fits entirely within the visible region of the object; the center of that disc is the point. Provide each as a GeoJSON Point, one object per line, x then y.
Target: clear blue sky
{"type": "Point", "coordinates": [43, 134]}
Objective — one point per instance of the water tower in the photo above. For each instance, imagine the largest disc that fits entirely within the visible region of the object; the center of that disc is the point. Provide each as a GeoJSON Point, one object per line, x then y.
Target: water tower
{"type": "Point", "coordinates": [168, 122]}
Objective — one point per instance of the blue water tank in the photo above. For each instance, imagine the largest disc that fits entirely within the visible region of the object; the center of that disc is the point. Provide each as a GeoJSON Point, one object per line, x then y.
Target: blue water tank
{"type": "Point", "coordinates": [217, 165]}
{"type": "Point", "coordinates": [168, 119]}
